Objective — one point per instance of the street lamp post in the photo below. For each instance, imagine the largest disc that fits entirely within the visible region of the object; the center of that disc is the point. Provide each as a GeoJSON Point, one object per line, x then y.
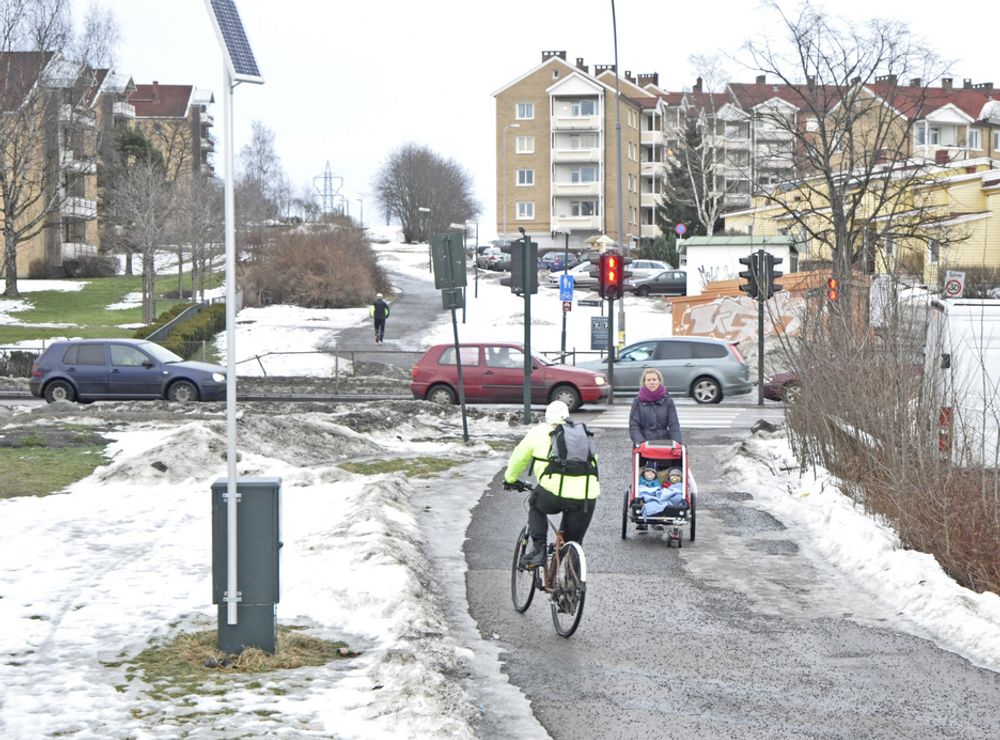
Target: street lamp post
{"type": "Point", "coordinates": [427, 217]}
{"type": "Point", "coordinates": [504, 174]}
{"type": "Point", "coordinates": [475, 258]}
{"type": "Point", "coordinates": [361, 205]}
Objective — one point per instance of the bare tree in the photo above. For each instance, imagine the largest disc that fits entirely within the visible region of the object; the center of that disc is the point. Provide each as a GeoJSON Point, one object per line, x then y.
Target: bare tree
{"type": "Point", "coordinates": [141, 200]}
{"type": "Point", "coordinates": [199, 225]}
{"type": "Point", "coordinates": [262, 188]}
{"type": "Point", "coordinates": [414, 177]}
{"type": "Point", "coordinates": [855, 187]}
{"type": "Point", "coordinates": [97, 43]}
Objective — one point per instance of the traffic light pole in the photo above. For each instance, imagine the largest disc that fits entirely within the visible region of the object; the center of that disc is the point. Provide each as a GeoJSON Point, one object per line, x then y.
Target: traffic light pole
{"type": "Point", "coordinates": [611, 350]}
{"type": "Point", "coordinates": [527, 284]}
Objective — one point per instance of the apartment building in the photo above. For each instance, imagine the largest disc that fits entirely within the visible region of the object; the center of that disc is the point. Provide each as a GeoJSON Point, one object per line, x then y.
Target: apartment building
{"type": "Point", "coordinates": [50, 135]}
{"type": "Point", "coordinates": [558, 159]}
{"type": "Point", "coordinates": [177, 121]}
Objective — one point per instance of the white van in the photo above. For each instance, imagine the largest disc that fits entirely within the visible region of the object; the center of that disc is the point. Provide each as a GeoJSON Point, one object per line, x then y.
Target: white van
{"type": "Point", "coordinates": [963, 354]}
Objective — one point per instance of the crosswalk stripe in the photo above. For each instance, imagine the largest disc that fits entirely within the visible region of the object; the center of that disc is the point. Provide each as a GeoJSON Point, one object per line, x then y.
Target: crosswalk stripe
{"type": "Point", "coordinates": [617, 418]}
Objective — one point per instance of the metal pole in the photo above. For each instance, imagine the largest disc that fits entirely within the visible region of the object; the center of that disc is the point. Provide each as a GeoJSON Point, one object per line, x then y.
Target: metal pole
{"type": "Point", "coordinates": [454, 324]}
{"type": "Point", "coordinates": [618, 159]}
{"type": "Point", "coordinates": [761, 289]}
{"type": "Point", "coordinates": [361, 205]}
{"type": "Point", "coordinates": [611, 350]}
{"type": "Point", "coordinates": [526, 283]}
{"type": "Point", "coordinates": [562, 345]}
{"type": "Point", "coordinates": [475, 262]}
{"type": "Point", "coordinates": [463, 286]}
{"type": "Point", "coordinates": [232, 592]}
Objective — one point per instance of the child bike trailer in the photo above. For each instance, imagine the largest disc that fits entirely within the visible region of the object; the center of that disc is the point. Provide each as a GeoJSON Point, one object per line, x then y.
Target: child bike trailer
{"type": "Point", "coordinates": [669, 503]}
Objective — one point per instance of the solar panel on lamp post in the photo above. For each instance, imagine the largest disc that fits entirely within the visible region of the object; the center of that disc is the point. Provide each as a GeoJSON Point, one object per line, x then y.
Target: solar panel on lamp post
{"type": "Point", "coordinates": [239, 65]}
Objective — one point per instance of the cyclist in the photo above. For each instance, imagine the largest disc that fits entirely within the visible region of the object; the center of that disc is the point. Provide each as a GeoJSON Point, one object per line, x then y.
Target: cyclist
{"type": "Point", "coordinates": [572, 495]}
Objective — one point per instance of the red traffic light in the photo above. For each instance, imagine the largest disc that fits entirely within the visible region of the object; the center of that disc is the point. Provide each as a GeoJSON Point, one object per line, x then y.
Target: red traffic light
{"type": "Point", "coordinates": [833, 289]}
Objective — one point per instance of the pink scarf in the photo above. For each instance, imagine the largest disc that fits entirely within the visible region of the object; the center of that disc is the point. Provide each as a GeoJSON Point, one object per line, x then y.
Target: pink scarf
{"type": "Point", "coordinates": [649, 396]}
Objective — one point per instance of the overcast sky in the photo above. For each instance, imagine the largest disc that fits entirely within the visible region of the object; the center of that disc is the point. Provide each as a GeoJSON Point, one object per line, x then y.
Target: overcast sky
{"type": "Point", "coordinates": [347, 82]}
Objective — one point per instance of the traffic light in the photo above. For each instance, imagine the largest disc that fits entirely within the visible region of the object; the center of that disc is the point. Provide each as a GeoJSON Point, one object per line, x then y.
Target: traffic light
{"type": "Point", "coordinates": [520, 271]}
{"type": "Point", "coordinates": [769, 275]}
{"type": "Point", "coordinates": [611, 277]}
{"type": "Point", "coordinates": [832, 289]}
{"type": "Point", "coordinates": [750, 287]}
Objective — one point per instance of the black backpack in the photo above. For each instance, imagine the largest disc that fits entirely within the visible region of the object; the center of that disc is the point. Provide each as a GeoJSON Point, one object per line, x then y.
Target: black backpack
{"type": "Point", "coordinates": [573, 451]}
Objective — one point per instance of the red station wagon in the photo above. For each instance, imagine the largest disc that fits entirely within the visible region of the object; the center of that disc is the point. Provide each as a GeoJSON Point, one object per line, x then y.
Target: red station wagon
{"type": "Point", "coordinates": [494, 373]}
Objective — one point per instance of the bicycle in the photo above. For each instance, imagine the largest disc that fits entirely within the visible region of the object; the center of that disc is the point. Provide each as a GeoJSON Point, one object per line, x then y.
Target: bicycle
{"type": "Point", "coordinates": [564, 577]}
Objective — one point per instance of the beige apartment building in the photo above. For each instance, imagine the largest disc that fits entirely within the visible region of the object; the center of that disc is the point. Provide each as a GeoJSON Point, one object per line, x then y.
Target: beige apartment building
{"type": "Point", "coordinates": [177, 121]}
{"type": "Point", "coordinates": [557, 155]}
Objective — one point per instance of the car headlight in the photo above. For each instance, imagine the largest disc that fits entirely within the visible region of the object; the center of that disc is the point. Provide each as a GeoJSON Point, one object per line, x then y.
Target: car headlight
{"type": "Point", "coordinates": [219, 377]}
{"type": "Point", "coordinates": [600, 380]}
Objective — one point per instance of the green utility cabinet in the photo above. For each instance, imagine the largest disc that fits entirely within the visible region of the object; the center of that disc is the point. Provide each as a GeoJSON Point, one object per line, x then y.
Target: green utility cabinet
{"type": "Point", "coordinates": [258, 546]}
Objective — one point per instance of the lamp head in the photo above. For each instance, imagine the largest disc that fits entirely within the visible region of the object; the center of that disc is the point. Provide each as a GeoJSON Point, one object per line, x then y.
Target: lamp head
{"type": "Point", "coordinates": [521, 229]}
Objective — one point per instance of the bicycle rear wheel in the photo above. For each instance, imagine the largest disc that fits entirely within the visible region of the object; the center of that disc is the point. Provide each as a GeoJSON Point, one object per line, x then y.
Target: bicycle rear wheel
{"type": "Point", "coordinates": [522, 581]}
{"type": "Point", "coordinates": [569, 589]}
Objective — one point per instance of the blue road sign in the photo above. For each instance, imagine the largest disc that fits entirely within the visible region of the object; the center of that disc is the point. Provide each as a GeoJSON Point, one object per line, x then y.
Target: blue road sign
{"type": "Point", "coordinates": [565, 288]}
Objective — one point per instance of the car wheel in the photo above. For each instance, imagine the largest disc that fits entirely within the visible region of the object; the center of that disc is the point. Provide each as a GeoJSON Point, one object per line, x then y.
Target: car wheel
{"type": "Point", "coordinates": [791, 392]}
{"type": "Point", "coordinates": [706, 390]}
{"type": "Point", "coordinates": [441, 394]}
{"type": "Point", "coordinates": [642, 290]}
{"type": "Point", "coordinates": [59, 390]}
{"type": "Point", "coordinates": [568, 395]}
{"type": "Point", "coordinates": [183, 392]}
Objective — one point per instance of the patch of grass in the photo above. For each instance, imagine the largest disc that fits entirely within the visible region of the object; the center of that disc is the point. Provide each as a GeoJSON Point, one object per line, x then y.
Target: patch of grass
{"type": "Point", "coordinates": [419, 467]}
{"type": "Point", "coordinates": [39, 471]}
{"type": "Point", "coordinates": [34, 439]}
{"type": "Point", "coordinates": [86, 309]}
{"type": "Point", "coordinates": [180, 667]}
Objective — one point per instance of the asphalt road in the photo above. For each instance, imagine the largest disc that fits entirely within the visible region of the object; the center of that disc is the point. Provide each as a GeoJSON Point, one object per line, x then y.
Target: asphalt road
{"type": "Point", "coordinates": [743, 633]}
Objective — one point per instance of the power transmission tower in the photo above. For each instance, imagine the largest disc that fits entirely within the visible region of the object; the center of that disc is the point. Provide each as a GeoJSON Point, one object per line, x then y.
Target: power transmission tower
{"type": "Point", "coordinates": [328, 190]}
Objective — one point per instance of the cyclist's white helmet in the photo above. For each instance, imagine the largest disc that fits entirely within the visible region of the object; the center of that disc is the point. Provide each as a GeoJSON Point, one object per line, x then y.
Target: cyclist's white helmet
{"type": "Point", "coordinates": [556, 412]}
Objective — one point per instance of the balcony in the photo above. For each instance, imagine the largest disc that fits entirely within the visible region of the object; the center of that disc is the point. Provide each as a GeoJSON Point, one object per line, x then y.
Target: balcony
{"type": "Point", "coordinates": [76, 250]}
{"type": "Point", "coordinates": [576, 188]}
{"type": "Point", "coordinates": [207, 145]}
{"type": "Point", "coordinates": [577, 223]}
{"type": "Point", "coordinates": [576, 123]}
{"type": "Point", "coordinates": [649, 200]}
{"type": "Point", "coordinates": [122, 109]}
{"type": "Point", "coordinates": [77, 117]}
{"type": "Point", "coordinates": [79, 208]}
{"type": "Point", "coordinates": [652, 169]}
{"type": "Point", "coordinates": [653, 138]}
{"type": "Point", "coordinates": [649, 231]}
{"type": "Point", "coordinates": [576, 155]}
{"type": "Point", "coordinates": [69, 163]}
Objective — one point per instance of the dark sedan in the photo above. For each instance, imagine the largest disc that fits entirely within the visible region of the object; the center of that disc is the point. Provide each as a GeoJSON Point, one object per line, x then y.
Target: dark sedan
{"type": "Point", "coordinates": [783, 386]}
{"type": "Point", "coordinates": [122, 369]}
{"type": "Point", "coordinates": [668, 282]}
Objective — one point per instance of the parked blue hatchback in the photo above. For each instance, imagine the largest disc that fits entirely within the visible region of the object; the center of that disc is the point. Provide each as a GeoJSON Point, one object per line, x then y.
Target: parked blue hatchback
{"type": "Point", "coordinates": [122, 369]}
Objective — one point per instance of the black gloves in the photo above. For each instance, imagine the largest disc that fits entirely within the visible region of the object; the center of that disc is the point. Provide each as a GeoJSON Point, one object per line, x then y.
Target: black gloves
{"type": "Point", "coordinates": [515, 486]}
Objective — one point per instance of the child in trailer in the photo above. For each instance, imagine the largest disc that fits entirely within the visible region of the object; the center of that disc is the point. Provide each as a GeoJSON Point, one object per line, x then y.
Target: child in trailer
{"type": "Point", "coordinates": [653, 498]}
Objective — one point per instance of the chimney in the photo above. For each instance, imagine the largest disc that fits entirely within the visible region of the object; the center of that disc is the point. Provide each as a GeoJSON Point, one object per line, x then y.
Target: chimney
{"type": "Point", "coordinates": [941, 156]}
{"type": "Point", "coordinates": [697, 86]}
{"type": "Point", "coordinates": [946, 83]}
{"type": "Point", "coordinates": [600, 69]}
{"type": "Point", "coordinates": [546, 55]}
{"type": "Point", "coordinates": [650, 78]}
{"type": "Point", "coordinates": [811, 82]}
{"type": "Point", "coordinates": [581, 66]}
{"type": "Point", "coordinates": [986, 87]}
{"type": "Point", "coordinates": [761, 79]}
{"type": "Point", "coordinates": [629, 77]}
{"type": "Point", "coordinates": [156, 90]}
{"type": "Point", "coordinates": [889, 79]}
{"type": "Point", "coordinates": [967, 83]}
{"type": "Point", "coordinates": [915, 82]}
{"type": "Point", "coordinates": [855, 80]}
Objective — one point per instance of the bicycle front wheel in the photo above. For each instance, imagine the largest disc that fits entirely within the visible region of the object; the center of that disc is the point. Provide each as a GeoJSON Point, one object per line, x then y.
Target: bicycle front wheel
{"type": "Point", "coordinates": [569, 589]}
{"type": "Point", "coordinates": [522, 581]}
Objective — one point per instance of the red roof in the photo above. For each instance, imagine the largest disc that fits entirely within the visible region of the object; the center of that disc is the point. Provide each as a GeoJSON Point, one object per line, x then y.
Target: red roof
{"type": "Point", "coordinates": [18, 72]}
{"type": "Point", "coordinates": [918, 102]}
{"type": "Point", "coordinates": [161, 101]}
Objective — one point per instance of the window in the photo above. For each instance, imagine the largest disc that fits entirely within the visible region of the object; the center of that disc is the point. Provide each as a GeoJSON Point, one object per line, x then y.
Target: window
{"type": "Point", "coordinates": [525, 111]}
{"type": "Point", "coordinates": [996, 141]}
{"type": "Point", "coordinates": [124, 356]}
{"type": "Point", "coordinates": [525, 177]}
{"type": "Point", "coordinates": [935, 135]}
{"type": "Point", "coordinates": [583, 208]}
{"type": "Point", "coordinates": [524, 144]}
{"type": "Point", "coordinates": [920, 135]}
{"type": "Point", "coordinates": [974, 140]}
{"type": "Point", "coordinates": [583, 174]}
{"type": "Point", "coordinates": [674, 351]}
{"type": "Point", "coordinates": [583, 108]}
{"type": "Point", "coordinates": [933, 251]}
{"type": "Point", "coordinates": [638, 353]}
{"type": "Point", "coordinates": [507, 357]}
{"type": "Point", "coordinates": [525, 209]}
{"type": "Point", "coordinates": [470, 356]}
{"type": "Point", "coordinates": [704, 351]}
{"type": "Point", "coordinates": [85, 354]}
{"type": "Point", "coordinates": [582, 141]}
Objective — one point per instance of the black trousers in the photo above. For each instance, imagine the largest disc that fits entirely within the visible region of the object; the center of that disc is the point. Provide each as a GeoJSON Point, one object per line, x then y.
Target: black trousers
{"type": "Point", "coordinates": [576, 515]}
{"type": "Point", "coordinates": [379, 329]}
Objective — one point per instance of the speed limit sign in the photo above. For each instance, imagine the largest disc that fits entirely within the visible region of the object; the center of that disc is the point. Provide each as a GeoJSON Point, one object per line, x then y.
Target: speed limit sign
{"type": "Point", "coordinates": [954, 284]}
